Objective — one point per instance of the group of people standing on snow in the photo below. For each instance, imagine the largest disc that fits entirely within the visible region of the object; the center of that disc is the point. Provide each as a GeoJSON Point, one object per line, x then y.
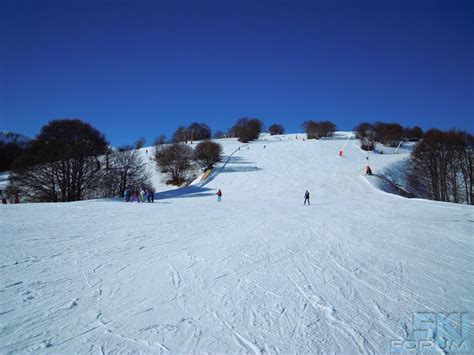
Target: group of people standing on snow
{"type": "Point", "coordinates": [148, 195]}
{"type": "Point", "coordinates": [130, 195]}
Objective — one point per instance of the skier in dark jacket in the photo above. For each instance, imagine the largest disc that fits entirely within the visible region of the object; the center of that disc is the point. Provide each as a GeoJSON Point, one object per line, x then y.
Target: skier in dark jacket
{"type": "Point", "coordinates": [306, 197]}
{"type": "Point", "coordinates": [151, 197]}
{"type": "Point", "coordinates": [219, 195]}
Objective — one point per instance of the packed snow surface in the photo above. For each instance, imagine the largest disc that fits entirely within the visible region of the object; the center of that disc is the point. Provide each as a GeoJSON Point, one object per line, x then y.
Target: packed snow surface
{"type": "Point", "coordinates": [257, 273]}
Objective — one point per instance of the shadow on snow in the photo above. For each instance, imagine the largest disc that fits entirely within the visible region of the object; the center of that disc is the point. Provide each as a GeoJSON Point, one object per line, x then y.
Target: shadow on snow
{"type": "Point", "coordinates": [188, 191]}
{"type": "Point", "coordinates": [199, 189]}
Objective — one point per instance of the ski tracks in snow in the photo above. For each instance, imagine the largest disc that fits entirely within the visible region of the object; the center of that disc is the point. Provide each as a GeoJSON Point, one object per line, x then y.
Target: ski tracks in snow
{"type": "Point", "coordinates": [340, 325]}
{"type": "Point", "coordinates": [247, 345]}
{"type": "Point", "coordinates": [258, 273]}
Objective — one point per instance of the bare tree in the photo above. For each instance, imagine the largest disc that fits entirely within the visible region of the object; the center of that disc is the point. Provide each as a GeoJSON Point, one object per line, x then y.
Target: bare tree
{"type": "Point", "coordinates": [466, 157]}
{"type": "Point", "coordinates": [126, 169]}
{"type": "Point", "coordinates": [61, 164]}
{"type": "Point", "coordinates": [317, 130]}
{"type": "Point", "coordinates": [9, 152]}
{"type": "Point", "coordinates": [326, 128]}
{"type": "Point", "coordinates": [199, 131]}
{"type": "Point", "coordinates": [207, 153]}
{"type": "Point", "coordinates": [366, 134]}
{"type": "Point", "coordinates": [161, 139]}
{"type": "Point", "coordinates": [247, 129]}
{"type": "Point", "coordinates": [275, 129]}
{"type": "Point", "coordinates": [389, 134]}
{"type": "Point", "coordinates": [140, 143]}
{"type": "Point", "coordinates": [175, 160]}
{"type": "Point", "coordinates": [109, 181]}
{"type": "Point", "coordinates": [412, 133]}
{"type": "Point", "coordinates": [196, 131]}
{"type": "Point", "coordinates": [181, 135]}
{"type": "Point", "coordinates": [311, 129]}
{"type": "Point", "coordinates": [441, 166]}
{"type": "Point", "coordinates": [362, 128]}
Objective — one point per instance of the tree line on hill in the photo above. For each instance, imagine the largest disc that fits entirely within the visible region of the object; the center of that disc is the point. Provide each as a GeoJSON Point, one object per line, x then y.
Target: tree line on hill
{"type": "Point", "coordinates": [70, 160]}
{"type": "Point", "coordinates": [245, 129]}
{"type": "Point", "coordinates": [441, 164]}
{"type": "Point", "coordinates": [317, 130]}
{"type": "Point", "coordinates": [389, 134]}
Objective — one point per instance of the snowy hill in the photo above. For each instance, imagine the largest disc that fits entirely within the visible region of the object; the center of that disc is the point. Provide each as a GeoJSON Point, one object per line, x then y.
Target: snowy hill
{"type": "Point", "coordinates": [257, 273]}
{"type": "Point", "coordinates": [11, 137]}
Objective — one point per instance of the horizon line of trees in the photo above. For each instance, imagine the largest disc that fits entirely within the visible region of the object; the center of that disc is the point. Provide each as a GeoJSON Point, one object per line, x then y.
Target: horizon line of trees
{"type": "Point", "coordinates": [319, 129]}
{"type": "Point", "coordinates": [70, 160]}
{"type": "Point", "coordinates": [388, 134]}
{"type": "Point", "coordinates": [440, 166]}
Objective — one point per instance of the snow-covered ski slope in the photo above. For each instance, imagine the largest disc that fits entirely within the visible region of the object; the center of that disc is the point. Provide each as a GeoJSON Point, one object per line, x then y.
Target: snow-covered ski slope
{"type": "Point", "coordinates": [257, 273]}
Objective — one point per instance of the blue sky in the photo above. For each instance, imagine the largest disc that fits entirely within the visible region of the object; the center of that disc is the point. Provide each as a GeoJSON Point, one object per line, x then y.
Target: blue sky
{"type": "Point", "coordinates": [141, 68]}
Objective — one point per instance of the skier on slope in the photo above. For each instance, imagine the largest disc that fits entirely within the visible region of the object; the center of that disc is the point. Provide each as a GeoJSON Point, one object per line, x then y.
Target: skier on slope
{"type": "Point", "coordinates": [306, 197]}
{"type": "Point", "coordinates": [219, 195]}
{"type": "Point", "coordinates": [142, 195]}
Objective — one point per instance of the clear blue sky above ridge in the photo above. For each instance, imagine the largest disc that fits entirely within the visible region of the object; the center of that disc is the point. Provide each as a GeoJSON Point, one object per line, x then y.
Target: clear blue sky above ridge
{"type": "Point", "coordinates": [141, 68]}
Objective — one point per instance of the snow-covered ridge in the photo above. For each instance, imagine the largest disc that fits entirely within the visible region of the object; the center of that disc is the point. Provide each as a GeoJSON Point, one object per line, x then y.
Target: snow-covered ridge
{"type": "Point", "coordinates": [12, 137]}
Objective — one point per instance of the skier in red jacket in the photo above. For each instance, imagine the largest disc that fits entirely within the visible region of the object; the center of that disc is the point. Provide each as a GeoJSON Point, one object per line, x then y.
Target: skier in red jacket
{"type": "Point", "coordinates": [219, 195]}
